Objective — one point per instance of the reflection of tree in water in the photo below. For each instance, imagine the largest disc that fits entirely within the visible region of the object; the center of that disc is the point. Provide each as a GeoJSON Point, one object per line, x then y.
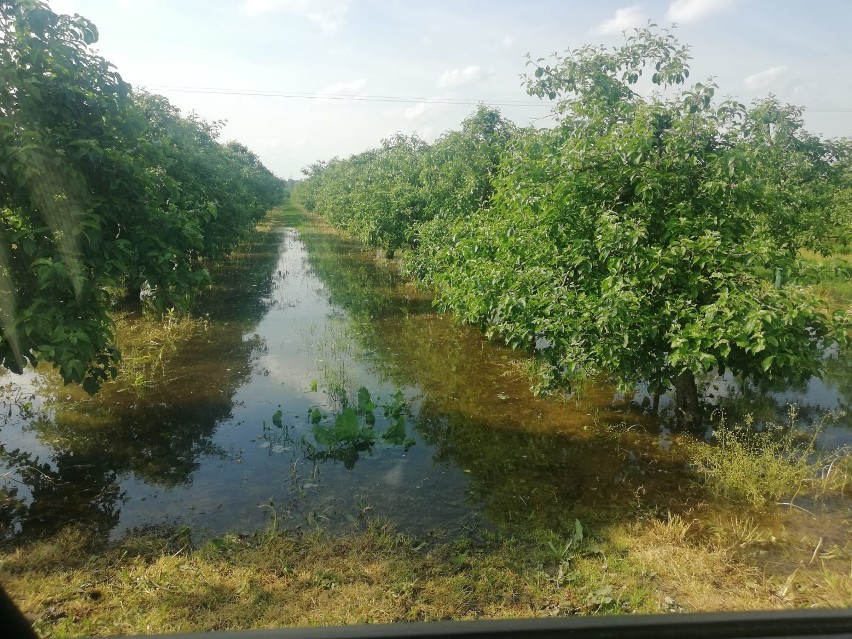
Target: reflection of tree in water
{"type": "Point", "coordinates": [353, 280]}
{"type": "Point", "coordinates": [838, 376]}
{"type": "Point", "coordinates": [46, 497]}
{"type": "Point", "coordinates": [242, 290]}
{"type": "Point", "coordinates": [814, 401]}
{"type": "Point", "coordinates": [159, 437]}
{"type": "Point", "coordinates": [547, 479]}
{"type": "Point", "coordinates": [477, 407]}
{"type": "Point", "coordinates": [158, 432]}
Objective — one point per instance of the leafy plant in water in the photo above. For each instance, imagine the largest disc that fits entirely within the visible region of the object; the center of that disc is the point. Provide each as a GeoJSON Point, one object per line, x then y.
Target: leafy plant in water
{"type": "Point", "coordinates": [365, 402]}
{"type": "Point", "coordinates": [396, 434]}
{"type": "Point", "coordinates": [345, 440]}
{"type": "Point", "coordinates": [279, 439]}
{"type": "Point", "coordinates": [348, 437]}
{"type": "Point", "coordinates": [396, 406]}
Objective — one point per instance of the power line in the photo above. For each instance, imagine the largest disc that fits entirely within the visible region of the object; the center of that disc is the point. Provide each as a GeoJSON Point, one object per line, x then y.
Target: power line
{"type": "Point", "coordinates": [297, 95]}
{"type": "Point", "coordinates": [354, 98]}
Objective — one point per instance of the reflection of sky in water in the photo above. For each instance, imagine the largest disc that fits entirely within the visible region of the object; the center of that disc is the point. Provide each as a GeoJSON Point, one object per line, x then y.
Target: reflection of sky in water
{"type": "Point", "coordinates": [815, 402]}
{"type": "Point", "coordinates": [485, 449]}
{"type": "Point", "coordinates": [231, 492]}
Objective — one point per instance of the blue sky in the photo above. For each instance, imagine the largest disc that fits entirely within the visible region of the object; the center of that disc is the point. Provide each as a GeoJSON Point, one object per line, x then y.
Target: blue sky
{"type": "Point", "coordinates": [432, 51]}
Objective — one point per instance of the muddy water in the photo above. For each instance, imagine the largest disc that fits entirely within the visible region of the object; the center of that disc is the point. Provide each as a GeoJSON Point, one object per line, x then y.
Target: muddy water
{"type": "Point", "coordinates": [321, 389]}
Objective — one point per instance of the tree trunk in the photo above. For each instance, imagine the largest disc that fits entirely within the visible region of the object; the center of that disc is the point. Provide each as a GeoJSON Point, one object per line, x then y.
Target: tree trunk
{"type": "Point", "coordinates": [133, 297]}
{"type": "Point", "coordinates": [687, 409]}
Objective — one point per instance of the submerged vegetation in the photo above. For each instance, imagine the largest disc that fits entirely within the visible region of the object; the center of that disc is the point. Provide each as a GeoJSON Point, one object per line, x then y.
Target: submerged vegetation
{"type": "Point", "coordinates": [774, 463]}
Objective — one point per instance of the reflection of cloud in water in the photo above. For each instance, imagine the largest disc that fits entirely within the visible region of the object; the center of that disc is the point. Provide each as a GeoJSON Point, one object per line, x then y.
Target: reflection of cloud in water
{"type": "Point", "coordinates": [394, 477]}
{"type": "Point", "coordinates": [287, 370]}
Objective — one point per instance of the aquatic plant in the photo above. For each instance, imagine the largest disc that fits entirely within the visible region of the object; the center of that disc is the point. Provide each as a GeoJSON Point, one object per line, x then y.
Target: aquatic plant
{"type": "Point", "coordinates": [771, 463]}
{"type": "Point", "coordinates": [353, 430]}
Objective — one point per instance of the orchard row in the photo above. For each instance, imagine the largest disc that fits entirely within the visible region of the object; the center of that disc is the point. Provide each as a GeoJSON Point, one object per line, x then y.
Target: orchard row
{"type": "Point", "coordinates": [105, 193]}
{"type": "Point", "coordinates": [650, 236]}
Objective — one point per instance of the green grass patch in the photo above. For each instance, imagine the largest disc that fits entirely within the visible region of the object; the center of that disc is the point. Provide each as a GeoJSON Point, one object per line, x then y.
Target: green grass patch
{"type": "Point", "coordinates": [772, 464]}
{"type": "Point", "coordinates": [831, 278]}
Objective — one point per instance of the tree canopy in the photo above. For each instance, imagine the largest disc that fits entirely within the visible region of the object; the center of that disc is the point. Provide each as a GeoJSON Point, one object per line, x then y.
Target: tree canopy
{"type": "Point", "coordinates": [101, 191]}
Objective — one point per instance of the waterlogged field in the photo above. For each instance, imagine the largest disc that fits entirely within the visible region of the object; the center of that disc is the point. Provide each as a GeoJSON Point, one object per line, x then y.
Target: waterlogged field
{"type": "Point", "coordinates": [315, 425]}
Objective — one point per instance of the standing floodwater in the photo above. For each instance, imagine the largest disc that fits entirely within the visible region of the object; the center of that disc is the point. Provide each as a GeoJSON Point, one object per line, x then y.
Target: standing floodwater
{"type": "Point", "coordinates": [316, 387]}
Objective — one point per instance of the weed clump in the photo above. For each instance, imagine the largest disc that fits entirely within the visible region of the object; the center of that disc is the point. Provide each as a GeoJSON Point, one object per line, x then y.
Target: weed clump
{"type": "Point", "coordinates": [772, 463]}
{"type": "Point", "coordinates": [148, 345]}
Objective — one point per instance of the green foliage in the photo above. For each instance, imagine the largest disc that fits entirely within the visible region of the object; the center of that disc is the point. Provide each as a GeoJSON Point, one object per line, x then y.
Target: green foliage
{"type": "Point", "coordinates": [631, 240]}
{"type": "Point", "coordinates": [101, 190]}
{"type": "Point", "coordinates": [347, 428]}
{"type": "Point", "coordinates": [396, 407]}
{"type": "Point", "coordinates": [628, 239]}
{"type": "Point", "coordinates": [383, 195]}
{"type": "Point", "coordinates": [365, 402]}
{"type": "Point", "coordinates": [374, 195]}
{"type": "Point", "coordinates": [348, 437]}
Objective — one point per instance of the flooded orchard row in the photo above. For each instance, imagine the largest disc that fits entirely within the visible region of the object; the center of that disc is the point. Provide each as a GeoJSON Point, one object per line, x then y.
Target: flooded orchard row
{"type": "Point", "coordinates": [316, 386]}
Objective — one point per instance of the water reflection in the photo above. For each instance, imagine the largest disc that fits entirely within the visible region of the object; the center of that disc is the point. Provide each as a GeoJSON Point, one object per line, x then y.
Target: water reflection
{"type": "Point", "coordinates": [157, 433]}
{"type": "Point", "coordinates": [822, 404]}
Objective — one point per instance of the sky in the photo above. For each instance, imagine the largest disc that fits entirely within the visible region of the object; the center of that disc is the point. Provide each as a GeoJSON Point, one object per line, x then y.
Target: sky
{"type": "Point", "coordinates": [304, 80]}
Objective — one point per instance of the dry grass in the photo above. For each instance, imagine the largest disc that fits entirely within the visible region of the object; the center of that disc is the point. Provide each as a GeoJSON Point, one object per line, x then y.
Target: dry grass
{"type": "Point", "coordinates": [690, 574]}
{"type": "Point", "coordinates": [160, 583]}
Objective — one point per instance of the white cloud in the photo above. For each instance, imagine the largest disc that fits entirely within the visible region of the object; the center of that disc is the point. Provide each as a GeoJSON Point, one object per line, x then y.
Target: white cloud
{"type": "Point", "coordinates": [416, 111]}
{"type": "Point", "coordinates": [348, 89]}
{"type": "Point", "coordinates": [460, 77]}
{"type": "Point", "coordinates": [625, 18]}
{"type": "Point", "coordinates": [765, 78]}
{"type": "Point", "coordinates": [685, 11]}
{"type": "Point", "coordinates": [508, 40]}
{"type": "Point", "coordinates": [328, 14]}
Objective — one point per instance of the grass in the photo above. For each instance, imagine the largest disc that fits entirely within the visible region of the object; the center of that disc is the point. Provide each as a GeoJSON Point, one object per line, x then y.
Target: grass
{"type": "Point", "coordinates": [773, 464]}
{"type": "Point", "coordinates": [830, 278]}
{"type": "Point", "coordinates": [147, 343]}
{"type": "Point", "coordinates": [158, 582]}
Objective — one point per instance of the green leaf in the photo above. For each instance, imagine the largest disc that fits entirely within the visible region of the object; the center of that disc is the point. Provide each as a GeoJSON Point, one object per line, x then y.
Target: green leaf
{"type": "Point", "coordinates": [365, 403]}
